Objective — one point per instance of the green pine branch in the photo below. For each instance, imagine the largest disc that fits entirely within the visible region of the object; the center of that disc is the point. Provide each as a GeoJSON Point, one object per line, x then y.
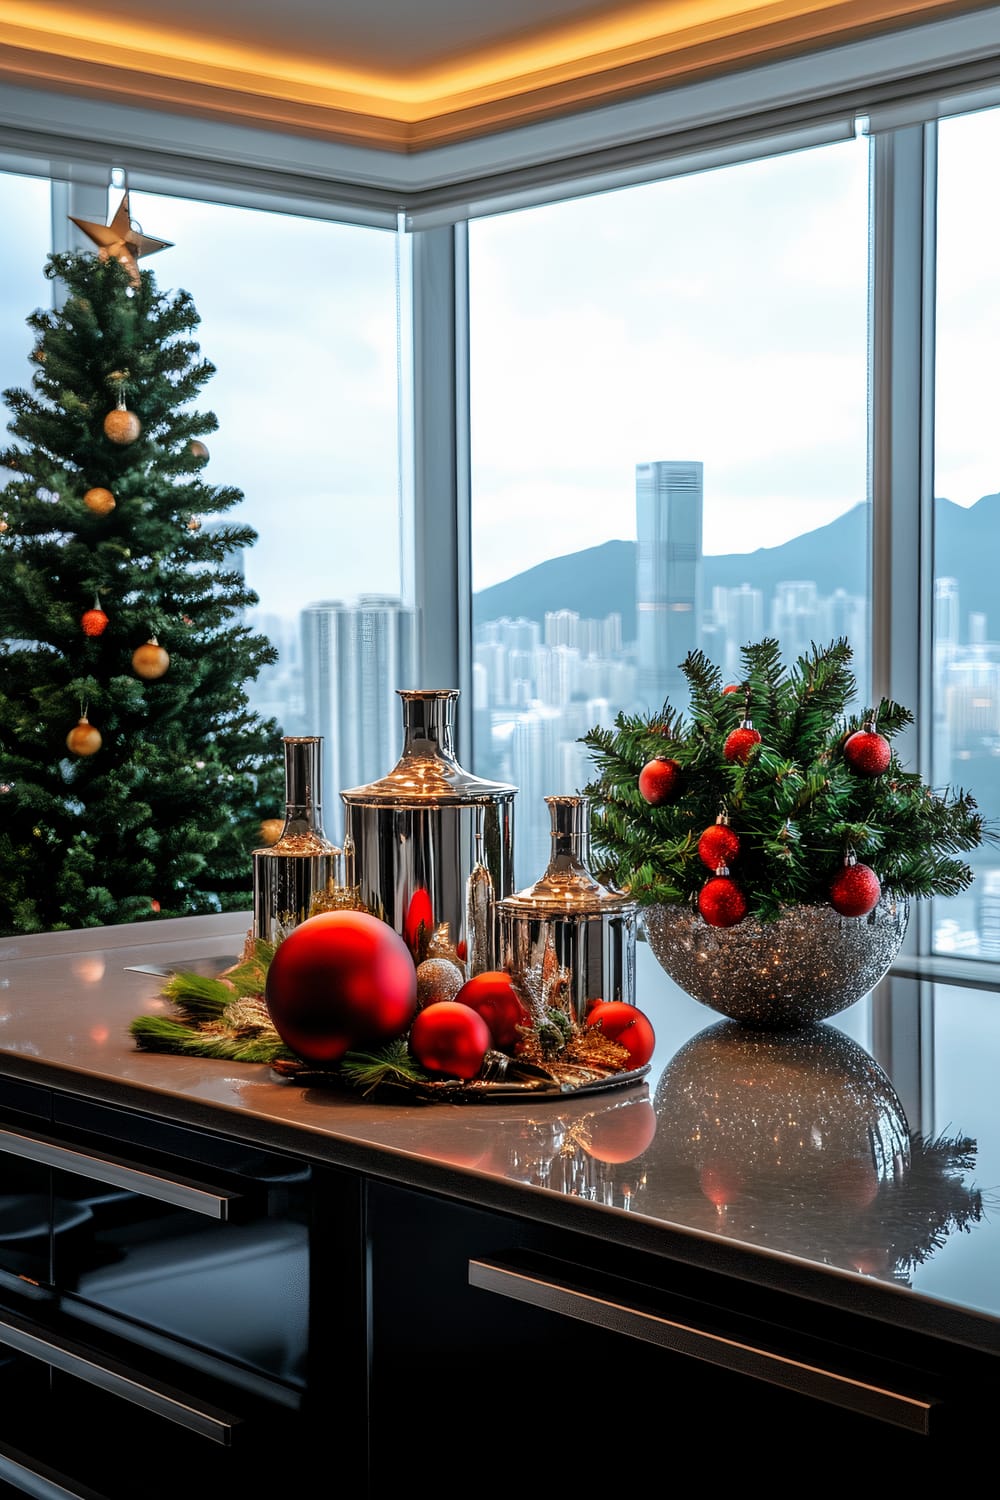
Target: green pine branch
{"type": "Point", "coordinates": [796, 804]}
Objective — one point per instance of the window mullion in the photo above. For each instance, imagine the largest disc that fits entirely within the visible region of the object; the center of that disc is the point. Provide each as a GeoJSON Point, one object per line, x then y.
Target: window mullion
{"type": "Point", "coordinates": [441, 463]}
{"type": "Point", "coordinates": [902, 439]}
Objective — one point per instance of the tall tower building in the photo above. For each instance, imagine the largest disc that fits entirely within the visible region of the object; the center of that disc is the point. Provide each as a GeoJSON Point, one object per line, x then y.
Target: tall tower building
{"type": "Point", "coordinates": [668, 508]}
{"type": "Point", "coordinates": [354, 657]}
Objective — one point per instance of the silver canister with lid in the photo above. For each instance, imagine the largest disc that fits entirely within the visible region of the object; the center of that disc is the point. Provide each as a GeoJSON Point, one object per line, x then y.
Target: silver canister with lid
{"type": "Point", "coordinates": [433, 845]}
{"type": "Point", "coordinates": [567, 916]}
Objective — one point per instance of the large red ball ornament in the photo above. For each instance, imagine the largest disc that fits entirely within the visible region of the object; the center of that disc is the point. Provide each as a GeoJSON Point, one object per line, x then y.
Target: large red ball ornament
{"type": "Point", "coordinates": [740, 742]}
{"type": "Point", "coordinates": [718, 845]}
{"type": "Point", "coordinates": [658, 780]}
{"type": "Point", "coordinates": [341, 979]}
{"type": "Point", "coordinates": [626, 1025]}
{"type": "Point", "coordinates": [855, 890]}
{"type": "Point", "coordinates": [721, 902]}
{"type": "Point", "coordinates": [867, 752]}
{"type": "Point", "coordinates": [493, 996]}
{"type": "Point", "coordinates": [451, 1038]}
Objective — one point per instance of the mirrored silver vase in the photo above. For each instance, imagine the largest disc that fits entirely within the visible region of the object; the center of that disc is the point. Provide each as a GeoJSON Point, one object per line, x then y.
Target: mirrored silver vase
{"type": "Point", "coordinates": [290, 874]}
{"type": "Point", "coordinates": [569, 919]}
{"type": "Point", "coordinates": [433, 845]}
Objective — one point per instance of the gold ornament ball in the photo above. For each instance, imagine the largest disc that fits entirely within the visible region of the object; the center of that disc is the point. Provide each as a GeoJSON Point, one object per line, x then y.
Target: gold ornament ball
{"type": "Point", "coordinates": [4, 525]}
{"type": "Point", "coordinates": [150, 661]}
{"type": "Point", "coordinates": [194, 524]}
{"type": "Point", "coordinates": [122, 426]}
{"type": "Point", "coordinates": [84, 739]}
{"type": "Point", "coordinates": [197, 448]}
{"type": "Point", "coordinates": [270, 831]}
{"type": "Point", "coordinates": [99, 500]}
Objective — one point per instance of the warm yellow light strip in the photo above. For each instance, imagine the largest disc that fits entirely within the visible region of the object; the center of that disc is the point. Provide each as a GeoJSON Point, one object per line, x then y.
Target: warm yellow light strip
{"type": "Point", "coordinates": [632, 34]}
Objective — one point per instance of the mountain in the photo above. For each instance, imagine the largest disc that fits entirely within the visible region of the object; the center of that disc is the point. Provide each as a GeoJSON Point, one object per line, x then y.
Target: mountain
{"type": "Point", "coordinates": [599, 581]}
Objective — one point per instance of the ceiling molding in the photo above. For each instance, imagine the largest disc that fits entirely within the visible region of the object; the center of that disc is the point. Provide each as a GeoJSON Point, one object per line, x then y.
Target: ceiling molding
{"type": "Point", "coordinates": [305, 104]}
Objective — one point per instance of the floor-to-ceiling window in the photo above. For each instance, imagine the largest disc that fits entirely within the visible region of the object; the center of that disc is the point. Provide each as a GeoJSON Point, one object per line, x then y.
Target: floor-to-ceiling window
{"type": "Point", "coordinates": [669, 449]}
{"type": "Point", "coordinates": [299, 318]}
{"type": "Point", "coordinates": [966, 604]}
{"type": "Point", "coordinates": [24, 202]}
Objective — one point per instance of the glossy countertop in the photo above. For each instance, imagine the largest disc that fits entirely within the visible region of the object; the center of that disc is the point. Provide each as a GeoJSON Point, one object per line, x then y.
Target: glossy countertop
{"type": "Point", "coordinates": [856, 1162]}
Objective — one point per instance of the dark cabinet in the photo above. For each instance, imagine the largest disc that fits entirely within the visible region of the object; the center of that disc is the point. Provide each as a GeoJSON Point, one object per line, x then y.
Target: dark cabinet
{"type": "Point", "coordinates": [188, 1310]}
{"type": "Point", "coordinates": [504, 1347]}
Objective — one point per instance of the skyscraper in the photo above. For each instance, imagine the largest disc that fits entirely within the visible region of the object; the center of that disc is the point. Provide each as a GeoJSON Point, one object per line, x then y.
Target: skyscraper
{"type": "Point", "coordinates": [668, 507]}
{"type": "Point", "coordinates": [354, 658]}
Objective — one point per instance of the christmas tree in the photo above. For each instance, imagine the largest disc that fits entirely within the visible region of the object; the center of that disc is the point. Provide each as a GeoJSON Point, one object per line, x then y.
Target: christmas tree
{"type": "Point", "coordinates": [133, 774]}
{"type": "Point", "coordinates": [768, 794]}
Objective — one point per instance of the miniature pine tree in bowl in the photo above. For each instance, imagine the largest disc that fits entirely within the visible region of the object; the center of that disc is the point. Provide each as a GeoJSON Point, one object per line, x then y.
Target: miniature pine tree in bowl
{"type": "Point", "coordinates": [773, 841]}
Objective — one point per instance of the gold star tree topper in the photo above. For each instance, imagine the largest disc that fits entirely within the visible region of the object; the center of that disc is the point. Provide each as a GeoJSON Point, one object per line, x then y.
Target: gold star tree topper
{"type": "Point", "coordinates": [121, 239]}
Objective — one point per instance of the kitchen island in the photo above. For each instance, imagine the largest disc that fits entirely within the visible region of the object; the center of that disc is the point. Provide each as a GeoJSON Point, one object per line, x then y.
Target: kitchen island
{"type": "Point", "coordinates": [211, 1270]}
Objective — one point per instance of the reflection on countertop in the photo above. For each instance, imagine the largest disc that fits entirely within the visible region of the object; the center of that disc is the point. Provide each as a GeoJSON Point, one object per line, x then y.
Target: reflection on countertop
{"type": "Point", "coordinates": [808, 1147]}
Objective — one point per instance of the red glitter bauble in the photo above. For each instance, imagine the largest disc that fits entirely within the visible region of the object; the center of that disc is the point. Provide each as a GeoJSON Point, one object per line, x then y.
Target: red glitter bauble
{"type": "Point", "coordinates": [493, 996]}
{"type": "Point", "coordinates": [451, 1038]}
{"type": "Point", "coordinates": [721, 902]}
{"type": "Point", "coordinates": [739, 744]}
{"type": "Point", "coordinates": [718, 845]}
{"type": "Point", "coordinates": [339, 980]}
{"type": "Point", "coordinates": [94, 621]}
{"type": "Point", "coordinates": [658, 780]}
{"type": "Point", "coordinates": [855, 890]}
{"type": "Point", "coordinates": [627, 1025]}
{"type": "Point", "coordinates": [867, 752]}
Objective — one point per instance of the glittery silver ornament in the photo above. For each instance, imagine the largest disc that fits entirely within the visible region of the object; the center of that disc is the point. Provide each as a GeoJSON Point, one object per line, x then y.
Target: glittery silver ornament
{"type": "Point", "coordinates": [438, 979]}
{"type": "Point", "coordinates": [807, 965]}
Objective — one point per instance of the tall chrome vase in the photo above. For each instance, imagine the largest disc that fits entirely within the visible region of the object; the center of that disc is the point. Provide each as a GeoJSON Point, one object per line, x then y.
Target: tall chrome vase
{"type": "Point", "coordinates": [303, 865]}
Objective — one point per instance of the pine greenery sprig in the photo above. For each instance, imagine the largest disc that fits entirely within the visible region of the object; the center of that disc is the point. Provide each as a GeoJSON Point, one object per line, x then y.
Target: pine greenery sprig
{"type": "Point", "coordinates": [796, 804]}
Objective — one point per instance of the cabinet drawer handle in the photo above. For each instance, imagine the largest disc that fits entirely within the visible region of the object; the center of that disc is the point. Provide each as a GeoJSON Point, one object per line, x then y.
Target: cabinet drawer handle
{"type": "Point", "coordinates": [794, 1374]}
{"type": "Point", "coordinates": [98, 1370]}
{"type": "Point", "coordinates": [182, 1192]}
{"type": "Point", "coordinates": [39, 1480]}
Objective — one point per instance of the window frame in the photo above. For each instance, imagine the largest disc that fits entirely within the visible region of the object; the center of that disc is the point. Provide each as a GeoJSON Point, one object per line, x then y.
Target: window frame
{"type": "Point", "coordinates": [893, 86]}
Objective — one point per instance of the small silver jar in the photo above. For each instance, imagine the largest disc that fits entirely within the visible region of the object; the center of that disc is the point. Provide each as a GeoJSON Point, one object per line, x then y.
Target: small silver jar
{"type": "Point", "coordinates": [589, 929]}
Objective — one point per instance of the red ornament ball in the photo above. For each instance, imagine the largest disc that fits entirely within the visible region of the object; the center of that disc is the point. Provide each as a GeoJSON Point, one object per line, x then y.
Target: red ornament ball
{"type": "Point", "coordinates": [620, 1133]}
{"type": "Point", "coordinates": [626, 1025]}
{"type": "Point", "coordinates": [867, 752]}
{"type": "Point", "coordinates": [740, 742]}
{"type": "Point", "coordinates": [418, 924]}
{"type": "Point", "coordinates": [339, 980]}
{"type": "Point", "coordinates": [731, 687]}
{"type": "Point", "coordinates": [94, 621]}
{"type": "Point", "coordinates": [451, 1038]}
{"type": "Point", "coordinates": [855, 890]}
{"type": "Point", "coordinates": [721, 902]}
{"type": "Point", "coordinates": [493, 996]}
{"type": "Point", "coordinates": [658, 780]}
{"type": "Point", "coordinates": [718, 845]}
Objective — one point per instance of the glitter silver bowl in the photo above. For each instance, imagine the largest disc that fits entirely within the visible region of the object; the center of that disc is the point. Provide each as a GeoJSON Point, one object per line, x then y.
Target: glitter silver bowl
{"type": "Point", "coordinates": [806, 966]}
